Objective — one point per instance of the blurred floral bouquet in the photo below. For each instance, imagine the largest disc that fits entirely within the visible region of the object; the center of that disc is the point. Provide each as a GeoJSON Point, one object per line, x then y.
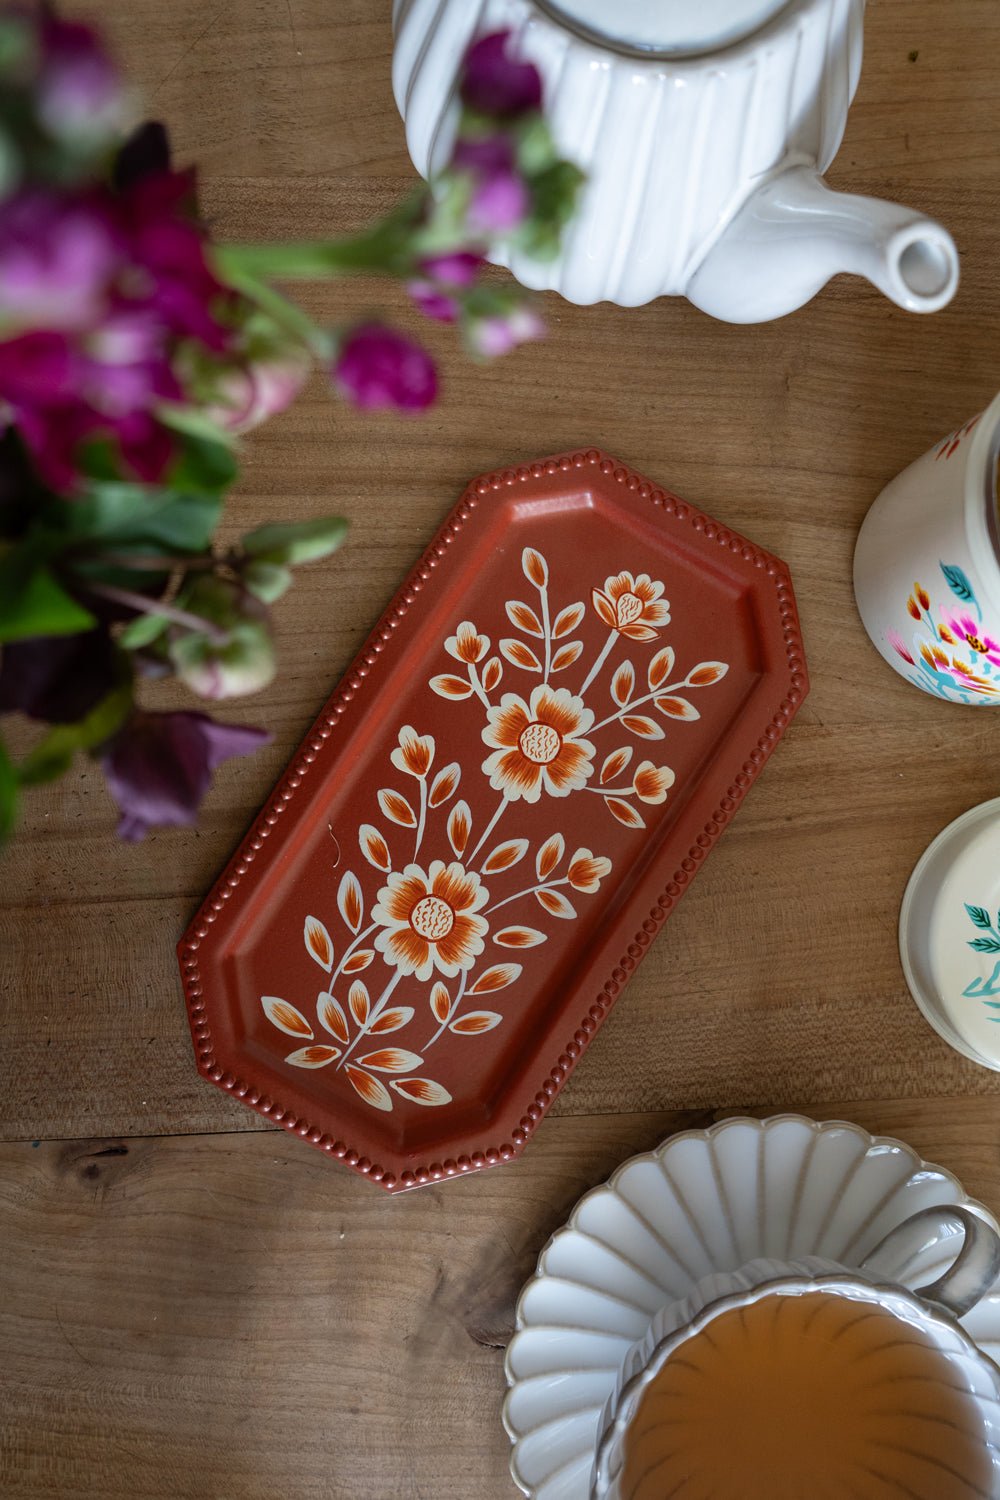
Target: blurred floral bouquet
{"type": "Point", "coordinates": [133, 351]}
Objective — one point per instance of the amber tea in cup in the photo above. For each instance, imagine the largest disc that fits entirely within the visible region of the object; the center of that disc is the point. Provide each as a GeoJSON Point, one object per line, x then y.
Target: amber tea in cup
{"type": "Point", "coordinates": [804, 1396]}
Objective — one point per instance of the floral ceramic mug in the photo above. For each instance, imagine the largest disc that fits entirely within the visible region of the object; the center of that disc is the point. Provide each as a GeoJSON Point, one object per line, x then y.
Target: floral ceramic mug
{"type": "Point", "coordinates": [927, 567]}
{"type": "Point", "coordinates": [649, 1434]}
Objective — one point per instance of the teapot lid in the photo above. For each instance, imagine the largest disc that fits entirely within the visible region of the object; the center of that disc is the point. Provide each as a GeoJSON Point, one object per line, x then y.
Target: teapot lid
{"type": "Point", "coordinates": [667, 28]}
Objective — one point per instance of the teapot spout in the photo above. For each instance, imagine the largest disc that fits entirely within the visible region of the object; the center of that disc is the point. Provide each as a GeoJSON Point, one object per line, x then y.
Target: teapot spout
{"type": "Point", "coordinates": [794, 233]}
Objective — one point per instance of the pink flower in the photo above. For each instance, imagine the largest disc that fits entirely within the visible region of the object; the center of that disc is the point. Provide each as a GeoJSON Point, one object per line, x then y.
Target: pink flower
{"type": "Point", "coordinates": [166, 243]}
{"type": "Point", "coordinates": [442, 276]}
{"type": "Point", "coordinates": [458, 269]}
{"type": "Point", "coordinates": [898, 645]}
{"type": "Point", "coordinates": [502, 332]}
{"type": "Point", "coordinates": [159, 767]}
{"type": "Point", "coordinates": [58, 256]}
{"type": "Point", "coordinates": [79, 89]}
{"type": "Point", "coordinates": [494, 83]}
{"type": "Point", "coordinates": [249, 392]}
{"type": "Point", "coordinates": [965, 628]}
{"type": "Point", "coordinates": [378, 368]}
{"type": "Point", "coordinates": [499, 205]}
{"type": "Point", "coordinates": [433, 302]}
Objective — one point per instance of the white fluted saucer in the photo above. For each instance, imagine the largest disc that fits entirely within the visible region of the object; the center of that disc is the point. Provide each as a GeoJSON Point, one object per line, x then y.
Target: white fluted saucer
{"type": "Point", "coordinates": [704, 1201]}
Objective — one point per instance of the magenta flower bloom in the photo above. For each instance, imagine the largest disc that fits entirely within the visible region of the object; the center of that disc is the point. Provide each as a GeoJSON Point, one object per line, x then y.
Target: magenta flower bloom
{"type": "Point", "coordinates": [964, 628]}
{"type": "Point", "coordinates": [494, 83]}
{"type": "Point", "coordinates": [58, 256]}
{"type": "Point", "coordinates": [458, 269]}
{"type": "Point", "coordinates": [503, 332]}
{"type": "Point", "coordinates": [443, 275]}
{"type": "Point", "coordinates": [79, 89]}
{"type": "Point", "coordinates": [159, 767]}
{"type": "Point", "coordinates": [379, 368]}
{"type": "Point", "coordinates": [499, 205]}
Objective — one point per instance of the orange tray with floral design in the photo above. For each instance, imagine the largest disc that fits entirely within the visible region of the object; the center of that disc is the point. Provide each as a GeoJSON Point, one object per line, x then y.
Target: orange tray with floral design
{"type": "Point", "coordinates": [512, 787]}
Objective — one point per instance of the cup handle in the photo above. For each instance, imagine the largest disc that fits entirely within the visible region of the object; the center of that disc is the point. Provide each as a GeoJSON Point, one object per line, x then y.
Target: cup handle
{"type": "Point", "coordinates": [976, 1266]}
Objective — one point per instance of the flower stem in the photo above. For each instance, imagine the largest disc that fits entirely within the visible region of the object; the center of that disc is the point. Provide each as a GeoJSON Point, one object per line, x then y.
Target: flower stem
{"type": "Point", "coordinates": [379, 1007]}
{"type": "Point", "coordinates": [548, 633]}
{"type": "Point", "coordinates": [451, 1013]}
{"type": "Point", "coordinates": [599, 663]}
{"type": "Point", "coordinates": [351, 948]}
{"type": "Point", "coordinates": [145, 606]}
{"type": "Point", "coordinates": [504, 804]}
{"type": "Point", "coordinates": [545, 885]}
{"type": "Point", "coordinates": [478, 686]}
{"type": "Point", "coordinates": [671, 687]}
{"type": "Point", "coordinates": [422, 821]}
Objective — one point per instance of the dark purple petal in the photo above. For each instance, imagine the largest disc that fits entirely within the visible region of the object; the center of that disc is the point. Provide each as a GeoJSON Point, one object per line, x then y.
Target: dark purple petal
{"type": "Point", "coordinates": [146, 153]}
{"type": "Point", "coordinates": [147, 446]}
{"type": "Point", "coordinates": [494, 83]}
{"type": "Point", "coordinates": [492, 153]}
{"type": "Point", "coordinates": [379, 368]}
{"type": "Point", "coordinates": [57, 258]}
{"type": "Point", "coordinates": [433, 302]}
{"type": "Point", "coordinates": [57, 678]}
{"type": "Point", "coordinates": [159, 767]}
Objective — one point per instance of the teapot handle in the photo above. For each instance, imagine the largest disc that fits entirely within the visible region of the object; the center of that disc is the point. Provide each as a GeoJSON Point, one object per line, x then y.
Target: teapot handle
{"type": "Point", "coordinates": [976, 1266]}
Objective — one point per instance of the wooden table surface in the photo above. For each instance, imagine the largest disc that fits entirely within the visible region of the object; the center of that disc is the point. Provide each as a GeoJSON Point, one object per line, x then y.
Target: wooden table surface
{"type": "Point", "coordinates": [192, 1305]}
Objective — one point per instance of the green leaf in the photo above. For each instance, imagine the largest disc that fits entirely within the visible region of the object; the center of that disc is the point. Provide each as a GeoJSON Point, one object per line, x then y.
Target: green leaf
{"type": "Point", "coordinates": [206, 464]}
{"type": "Point", "coordinates": [985, 945]}
{"type": "Point", "coordinates": [8, 796]}
{"type": "Point", "coordinates": [54, 755]}
{"type": "Point", "coordinates": [979, 915]}
{"type": "Point", "coordinates": [267, 580]}
{"type": "Point", "coordinates": [194, 423]}
{"type": "Point", "coordinates": [134, 517]}
{"type": "Point", "coordinates": [297, 542]}
{"type": "Point", "coordinates": [33, 602]}
{"type": "Point", "coordinates": [142, 631]}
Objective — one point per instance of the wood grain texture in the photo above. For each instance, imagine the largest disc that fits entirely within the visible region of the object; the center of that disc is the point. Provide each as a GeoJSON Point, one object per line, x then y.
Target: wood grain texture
{"type": "Point", "coordinates": [181, 1317]}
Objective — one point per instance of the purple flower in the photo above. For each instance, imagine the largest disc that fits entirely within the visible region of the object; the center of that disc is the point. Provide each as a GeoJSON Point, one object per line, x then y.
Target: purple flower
{"type": "Point", "coordinates": [433, 302]}
{"type": "Point", "coordinates": [79, 90]}
{"type": "Point", "coordinates": [499, 333]}
{"type": "Point", "coordinates": [378, 368]}
{"type": "Point", "coordinates": [499, 205]}
{"type": "Point", "coordinates": [494, 83]}
{"type": "Point", "coordinates": [57, 258]}
{"type": "Point", "coordinates": [159, 767]}
{"type": "Point", "coordinates": [458, 269]}
{"type": "Point", "coordinates": [487, 155]}
{"type": "Point", "coordinates": [57, 678]}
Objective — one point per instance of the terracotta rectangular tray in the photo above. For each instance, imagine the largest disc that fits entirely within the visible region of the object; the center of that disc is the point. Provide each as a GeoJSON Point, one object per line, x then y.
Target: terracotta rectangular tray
{"type": "Point", "coordinates": [507, 794]}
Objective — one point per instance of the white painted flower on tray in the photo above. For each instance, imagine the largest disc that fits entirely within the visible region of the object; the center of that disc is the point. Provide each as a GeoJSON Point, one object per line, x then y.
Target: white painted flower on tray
{"type": "Point", "coordinates": [430, 920]}
{"type": "Point", "coordinates": [539, 744]}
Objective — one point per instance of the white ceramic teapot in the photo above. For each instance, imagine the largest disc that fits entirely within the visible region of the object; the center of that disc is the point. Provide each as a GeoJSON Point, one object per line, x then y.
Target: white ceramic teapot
{"type": "Point", "coordinates": [704, 127]}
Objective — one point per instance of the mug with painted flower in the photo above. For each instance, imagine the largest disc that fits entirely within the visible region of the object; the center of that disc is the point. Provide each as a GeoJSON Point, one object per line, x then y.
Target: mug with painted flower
{"type": "Point", "coordinates": [927, 567]}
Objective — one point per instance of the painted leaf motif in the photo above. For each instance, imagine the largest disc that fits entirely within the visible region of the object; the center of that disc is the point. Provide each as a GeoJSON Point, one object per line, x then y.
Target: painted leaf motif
{"type": "Point", "coordinates": [520, 655]}
{"type": "Point", "coordinates": [447, 685]}
{"type": "Point", "coordinates": [374, 847]}
{"type": "Point", "coordinates": [421, 1090]}
{"type": "Point", "coordinates": [318, 943]}
{"type": "Point", "coordinates": [625, 812]}
{"type": "Point", "coordinates": [979, 915]}
{"type": "Point", "coordinates": [492, 673]}
{"type": "Point", "coordinates": [331, 1016]}
{"type": "Point", "coordinates": [392, 1020]}
{"type": "Point", "coordinates": [615, 764]}
{"type": "Point", "coordinates": [285, 1017]}
{"type": "Point", "coordinates": [359, 1001]}
{"type": "Point", "coordinates": [647, 729]}
{"type": "Point", "coordinates": [535, 567]}
{"type": "Point", "coordinates": [567, 619]}
{"type": "Point", "coordinates": [359, 960]}
{"type": "Point", "coordinates": [397, 808]}
{"type": "Point", "coordinates": [985, 945]}
{"type": "Point", "coordinates": [313, 1057]}
{"type": "Point", "coordinates": [497, 978]}
{"type": "Point", "coordinates": [445, 784]}
{"type": "Point", "coordinates": [661, 667]}
{"type": "Point", "coordinates": [440, 1003]}
{"type": "Point", "coordinates": [567, 655]}
{"type": "Point", "coordinates": [623, 684]}
{"type": "Point", "coordinates": [504, 856]}
{"type": "Point", "coordinates": [550, 855]}
{"type": "Point", "coordinates": [372, 1090]}
{"type": "Point", "coordinates": [958, 582]}
{"type": "Point", "coordinates": [519, 937]}
{"type": "Point", "coordinates": [459, 827]}
{"type": "Point", "coordinates": [475, 1022]}
{"type": "Point", "coordinates": [391, 1060]}
{"type": "Point", "coordinates": [677, 708]}
{"type": "Point", "coordinates": [350, 901]}
{"type": "Point", "coordinates": [707, 672]}
{"type": "Point", "coordinates": [524, 618]}
{"type": "Point", "coordinates": [555, 904]}
{"type": "Point", "coordinates": [604, 608]}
